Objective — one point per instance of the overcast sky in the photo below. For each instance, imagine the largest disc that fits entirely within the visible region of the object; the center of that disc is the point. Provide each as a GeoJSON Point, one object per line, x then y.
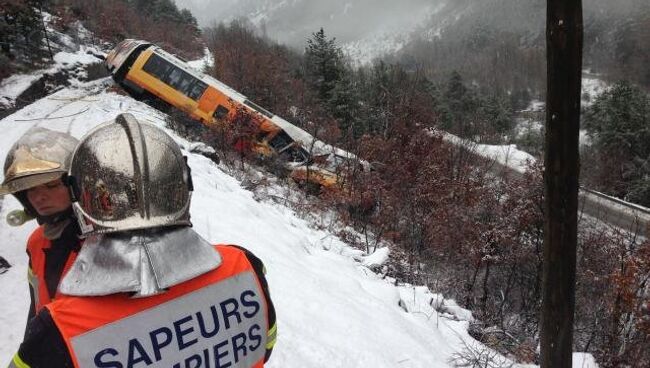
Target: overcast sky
{"type": "Point", "coordinates": [293, 21]}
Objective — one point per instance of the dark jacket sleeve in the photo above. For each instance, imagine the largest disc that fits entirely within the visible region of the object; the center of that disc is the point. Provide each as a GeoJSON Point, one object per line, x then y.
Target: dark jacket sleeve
{"type": "Point", "coordinates": [32, 309]}
{"type": "Point", "coordinates": [32, 301]}
{"type": "Point", "coordinates": [43, 346]}
{"type": "Point", "coordinates": [260, 271]}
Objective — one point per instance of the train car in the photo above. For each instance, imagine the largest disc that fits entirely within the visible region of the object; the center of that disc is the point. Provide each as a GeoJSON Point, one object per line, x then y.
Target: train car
{"type": "Point", "coordinates": [142, 68]}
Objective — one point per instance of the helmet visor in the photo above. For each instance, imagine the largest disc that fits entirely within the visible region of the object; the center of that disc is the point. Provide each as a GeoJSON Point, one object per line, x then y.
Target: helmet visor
{"type": "Point", "coordinates": [25, 182]}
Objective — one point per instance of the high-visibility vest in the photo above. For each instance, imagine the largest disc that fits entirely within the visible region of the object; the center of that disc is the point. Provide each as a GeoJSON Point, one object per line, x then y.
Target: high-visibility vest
{"type": "Point", "coordinates": [217, 319]}
{"type": "Point", "coordinates": [36, 245]}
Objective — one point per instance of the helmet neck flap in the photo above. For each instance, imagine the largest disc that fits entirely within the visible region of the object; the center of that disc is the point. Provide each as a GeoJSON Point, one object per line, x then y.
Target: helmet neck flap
{"type": "Point", "coordinates": [143, 262]}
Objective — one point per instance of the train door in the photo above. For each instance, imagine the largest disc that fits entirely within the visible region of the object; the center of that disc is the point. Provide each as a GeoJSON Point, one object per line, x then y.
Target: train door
{"type": "Point", "coordinates": [209, 101]}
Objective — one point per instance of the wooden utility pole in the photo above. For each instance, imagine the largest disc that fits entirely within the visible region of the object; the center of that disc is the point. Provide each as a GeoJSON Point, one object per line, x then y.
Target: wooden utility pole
{"type": "Point", "coordinates": [561, 160]}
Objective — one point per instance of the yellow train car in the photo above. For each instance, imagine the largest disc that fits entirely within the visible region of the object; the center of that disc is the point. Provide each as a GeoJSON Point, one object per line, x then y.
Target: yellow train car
{"type": "Point", "coordinates": [142, 69]}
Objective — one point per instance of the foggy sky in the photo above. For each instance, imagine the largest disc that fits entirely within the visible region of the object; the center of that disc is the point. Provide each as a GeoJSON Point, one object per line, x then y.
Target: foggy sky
{"type": "Point", "coordinates": [293, 21]}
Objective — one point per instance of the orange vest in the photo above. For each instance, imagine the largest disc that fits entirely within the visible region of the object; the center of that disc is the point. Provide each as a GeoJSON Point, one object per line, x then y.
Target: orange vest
{"type": "Point", "coordinates": [36, 273]}
{"type": "Point", "coordinates": [217, 319]}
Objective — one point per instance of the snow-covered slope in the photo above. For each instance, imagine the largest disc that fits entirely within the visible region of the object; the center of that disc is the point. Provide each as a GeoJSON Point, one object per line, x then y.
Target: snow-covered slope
{"type": "Point", "coordinates": [332, 311]}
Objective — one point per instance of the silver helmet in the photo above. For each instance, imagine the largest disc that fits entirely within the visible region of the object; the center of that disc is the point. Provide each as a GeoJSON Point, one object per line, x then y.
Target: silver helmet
{"type": "Point", "coordinates": [38, 157]}
{"type": "Point", "coordinates": [128, 175]}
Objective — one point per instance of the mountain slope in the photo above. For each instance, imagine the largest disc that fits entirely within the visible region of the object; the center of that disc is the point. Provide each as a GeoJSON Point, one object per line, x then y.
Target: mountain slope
{"type": "Point", "coordinates": [332, 311]}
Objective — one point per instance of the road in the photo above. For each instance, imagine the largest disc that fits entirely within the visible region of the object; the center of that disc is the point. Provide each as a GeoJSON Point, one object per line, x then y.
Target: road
{"type": "Point", "coordinates": [611, 211]}
{"type": "Point", "coordinates": [615, 212]}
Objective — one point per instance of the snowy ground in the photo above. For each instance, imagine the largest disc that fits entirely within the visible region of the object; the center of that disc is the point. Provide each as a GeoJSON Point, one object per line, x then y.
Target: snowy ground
{"type": "Point", "coordinates": [506, 155]}
{"type": "Point", "coordinates": [332, 310]}
{"type": "Point", "coordinates": [70, 54]}
{"type": "Point", "coordinates": [207, 61]}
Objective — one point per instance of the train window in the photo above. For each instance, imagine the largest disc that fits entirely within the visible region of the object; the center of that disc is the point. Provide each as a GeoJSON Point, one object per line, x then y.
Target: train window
{"type": "Point", "coordinates": [175, 77]}
{"type": "Point", "coordinates": [184, 83]}
{"type": "Point", "coordinates": [258, 108]}
{"type": "Point", "coordinates": [220, 112]}
{"type": "Point", "coordinates": [197, 89]}
{"type": "Point", "coordinates": [157, 67]}
{"type": "Point", "coordinates": [176, 80]}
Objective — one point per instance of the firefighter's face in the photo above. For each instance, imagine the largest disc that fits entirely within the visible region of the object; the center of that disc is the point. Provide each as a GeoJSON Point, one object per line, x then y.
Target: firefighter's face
{"type": "Point", "coordinates": [49, 198]}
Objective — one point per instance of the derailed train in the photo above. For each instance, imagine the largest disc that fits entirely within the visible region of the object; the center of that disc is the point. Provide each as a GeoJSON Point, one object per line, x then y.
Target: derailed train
{"type": "Point", "coordinates": [143, 68]}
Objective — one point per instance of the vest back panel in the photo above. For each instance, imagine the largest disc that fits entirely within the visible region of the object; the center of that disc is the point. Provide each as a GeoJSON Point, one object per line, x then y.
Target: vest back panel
{"type": "Point", "coordinates": [218, 319]}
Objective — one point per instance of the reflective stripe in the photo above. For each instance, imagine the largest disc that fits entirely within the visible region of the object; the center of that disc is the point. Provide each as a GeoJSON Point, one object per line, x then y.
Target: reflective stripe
{"type": "Point", "coordinates": [33, 281]}
{"type": "Point", "coordinates": [223, 322]}
{"type": "Point", "coordinates": [272, 336]}
{"type": "Point", "coordinates": [16, 362]}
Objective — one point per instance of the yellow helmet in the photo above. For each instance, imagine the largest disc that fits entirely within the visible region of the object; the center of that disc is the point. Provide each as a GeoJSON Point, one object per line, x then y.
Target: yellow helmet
{"type": "Point", "coordinates": [38, 157]}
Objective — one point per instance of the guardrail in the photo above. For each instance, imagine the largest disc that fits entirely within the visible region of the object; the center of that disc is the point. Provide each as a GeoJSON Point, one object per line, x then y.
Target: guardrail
{"type": "Point", "coordinates": [615, 212]}
{"type": "Point", "coordinates": [632, 206]}
{"type": "Point", "coordinates": [610, 210]}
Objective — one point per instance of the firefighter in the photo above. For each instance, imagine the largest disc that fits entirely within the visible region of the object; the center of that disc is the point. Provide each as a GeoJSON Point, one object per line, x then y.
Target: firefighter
{"type": "Point", "coordinates": [146, 289]}
{"type": "Point", "coordinates": [33, 173]}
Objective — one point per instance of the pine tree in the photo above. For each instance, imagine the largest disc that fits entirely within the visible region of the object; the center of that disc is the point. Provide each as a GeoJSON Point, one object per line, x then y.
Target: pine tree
{"type": "Point", "coordinates": [498, 115]}
{"type": "Point", "coordinates": [619, 125]}
{"type": "Point", "coordinates": [324, 64]}
{"type": "Point", "coordinates": [21, 30]}
{"type": "Point", "coordinates": [460, 107]}
{"type": "Point", "coordinates": [344, 106]}
{"type": "Point", "coordinates": [379, 97]}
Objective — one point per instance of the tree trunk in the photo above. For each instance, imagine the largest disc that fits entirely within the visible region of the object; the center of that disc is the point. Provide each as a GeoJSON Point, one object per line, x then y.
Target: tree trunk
{"type": "Point", "coordinates": [484, 297]}
{"type": "Point", "coordinates": [561, 160]}
{"type": "Point", "coordinates": [47, 38]}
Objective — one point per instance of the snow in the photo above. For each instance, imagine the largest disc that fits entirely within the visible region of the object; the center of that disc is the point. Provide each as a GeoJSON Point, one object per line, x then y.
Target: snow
{"type": "Point", "coordinates": [506, 155]}
{"type": "Point", "coordinates": [207, 61]}
{"type": "Point", "coordinates": [13, 86]}
{"type": "Point", "coordinates": [80, 57]}
{"type": "Point", "coordinates": [592, 86]}
{"type": "Point", "coordinates": [451, 307]}
{"type": "Point", "coordinates": [374, 46]}
{"type": "Point", "coordinates": [526, 127]}
{"type": "Point", "coordinates": [378, 258]}
{"type": "Point", "coordinates": [332, 310]}
{"type": "Point", "coordinates": [387, 38]}
{"type": "Point", "coordinates": [536, 106]}
{"type": "Point", "coordinates": [584, 360]}
{"type": "Point", "coordinates": [200, 147]}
